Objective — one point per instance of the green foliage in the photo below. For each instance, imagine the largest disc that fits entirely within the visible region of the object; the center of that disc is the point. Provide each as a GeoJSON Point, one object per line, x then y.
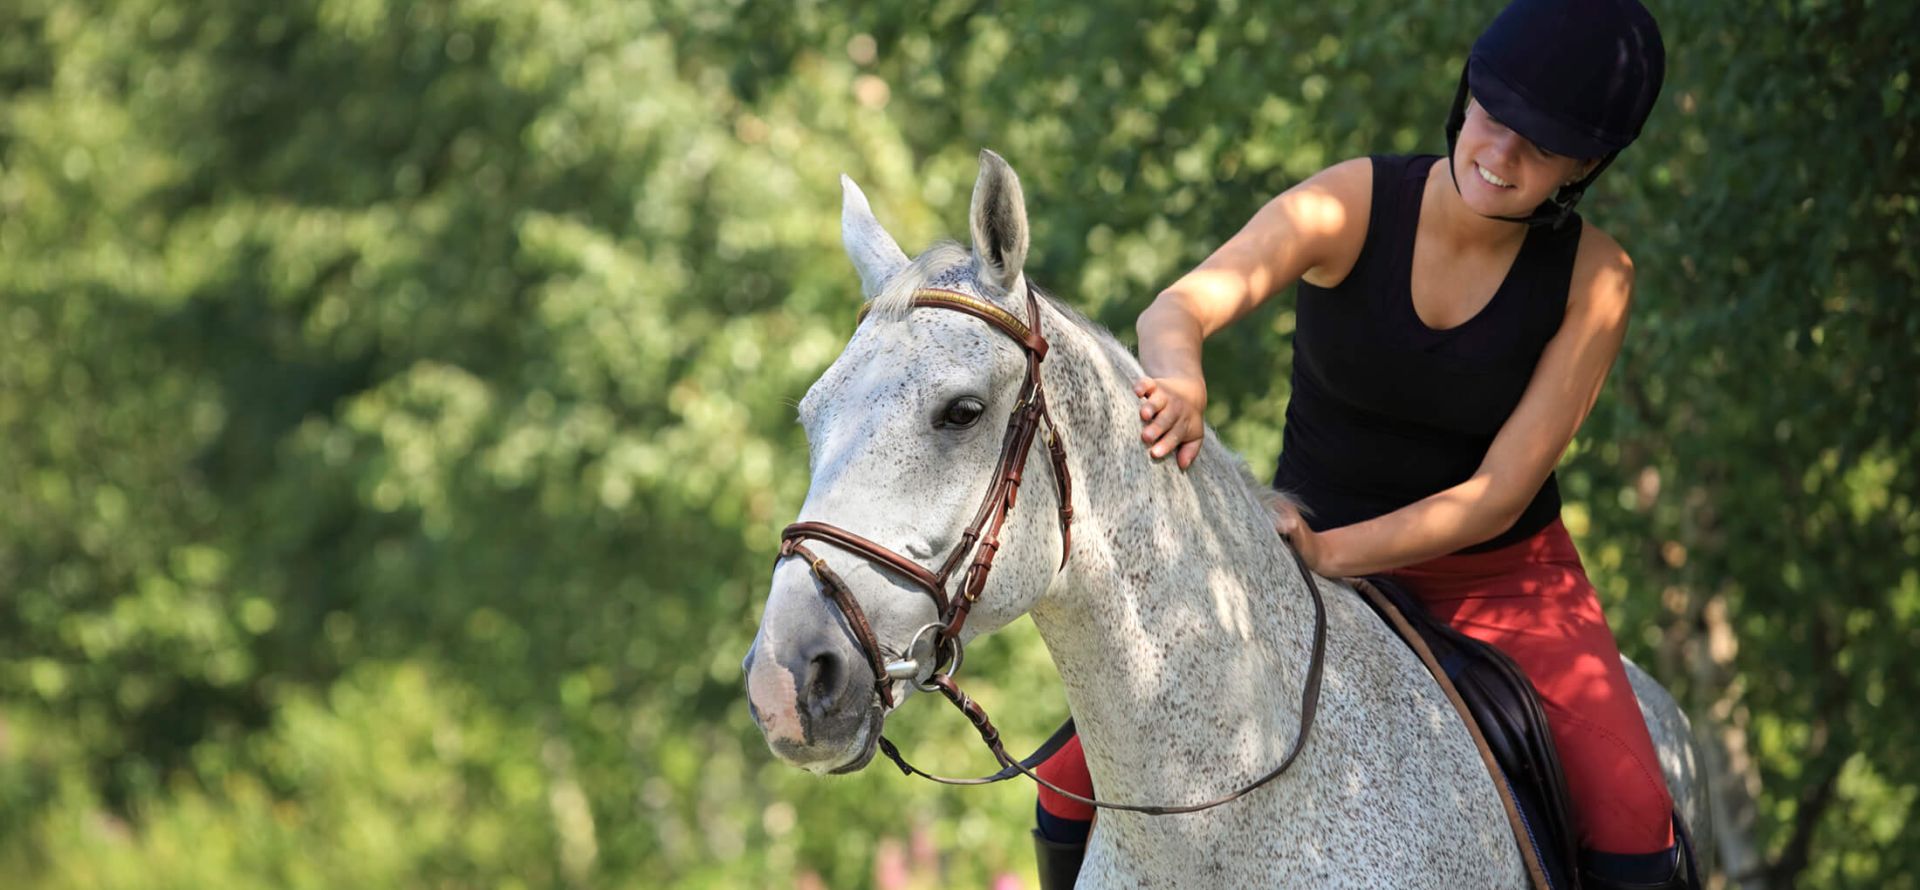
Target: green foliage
{"type": "Point", "coordinates": [395, 417]}
{"type": "Point", "coordinates": [402, 779]}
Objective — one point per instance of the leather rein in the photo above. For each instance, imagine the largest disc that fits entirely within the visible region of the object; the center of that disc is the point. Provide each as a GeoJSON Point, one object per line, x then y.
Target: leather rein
{"type": "Point", "coordinates": [935, 653]}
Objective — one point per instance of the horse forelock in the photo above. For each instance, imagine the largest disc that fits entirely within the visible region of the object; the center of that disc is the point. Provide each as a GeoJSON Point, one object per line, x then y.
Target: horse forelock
{"type": "Point", "coordinates": [945, 265]}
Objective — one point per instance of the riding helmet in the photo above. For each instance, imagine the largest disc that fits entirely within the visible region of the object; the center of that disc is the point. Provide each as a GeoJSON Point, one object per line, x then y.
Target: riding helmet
{"type": "Point", "coordinates": [1575, 77]}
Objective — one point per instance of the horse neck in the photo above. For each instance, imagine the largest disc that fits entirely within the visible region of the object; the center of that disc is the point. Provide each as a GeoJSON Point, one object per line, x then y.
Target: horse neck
{"type": "Point", "coordinates": [1180, 626]}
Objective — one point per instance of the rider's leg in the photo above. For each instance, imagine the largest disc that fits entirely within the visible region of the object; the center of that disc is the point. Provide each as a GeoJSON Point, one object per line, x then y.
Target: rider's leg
{"type": "Point", "coordinates": [1533, 600]}
{"type": "Point", "coordinates": [1060, 837]}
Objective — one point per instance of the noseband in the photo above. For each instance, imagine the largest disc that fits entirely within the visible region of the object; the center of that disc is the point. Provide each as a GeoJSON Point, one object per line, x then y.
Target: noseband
{"type": "Point", "coordinates": [935, 652]}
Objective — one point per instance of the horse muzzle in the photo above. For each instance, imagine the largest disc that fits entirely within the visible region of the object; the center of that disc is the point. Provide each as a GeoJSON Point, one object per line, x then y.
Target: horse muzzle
{"type": "Point", "coordinates": [812, 697]}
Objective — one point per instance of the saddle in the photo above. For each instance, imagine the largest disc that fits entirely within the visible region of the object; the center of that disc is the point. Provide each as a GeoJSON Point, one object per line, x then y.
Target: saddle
{"type": "Point", "coordinates": [1510, 729]}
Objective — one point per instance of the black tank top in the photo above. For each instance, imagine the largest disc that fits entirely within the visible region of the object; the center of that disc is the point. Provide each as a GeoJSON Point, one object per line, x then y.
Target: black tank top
{"type": "Point", "coordinates": [1385, 410]}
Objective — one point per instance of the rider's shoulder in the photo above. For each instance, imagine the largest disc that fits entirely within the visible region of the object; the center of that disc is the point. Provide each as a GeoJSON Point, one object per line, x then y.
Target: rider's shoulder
{"type": "Point", "coordinates": [1602, 269]}
{"type": "Point", "coordinates": [1347, 181]}
{"type": "Point", "coordinates": [1329, 213]}
{"type": "Point", "coordinates": [1332, 200]}
{"type": "Point", "coordinates": [1598, 244]}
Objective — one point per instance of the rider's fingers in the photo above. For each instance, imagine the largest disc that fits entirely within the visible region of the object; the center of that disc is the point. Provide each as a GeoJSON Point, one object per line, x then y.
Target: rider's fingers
{"type": "Point", "coordinates": [1188, 452]}
{"type": "Point", "coordinates": [1172, 422]}
{"type": "Point", "coordinates": [1165, 445]}
{"type": "Point", "coordinates": [1154, 402]}
{"type": "Point", "coordinates": [1288, 520]}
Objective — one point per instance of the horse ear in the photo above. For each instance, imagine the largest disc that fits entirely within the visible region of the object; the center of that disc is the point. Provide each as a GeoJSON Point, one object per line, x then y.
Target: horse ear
{"type": "Point", "coordinates": [875, 255]}
{"type": "Point", "coordinates": [999, 222]}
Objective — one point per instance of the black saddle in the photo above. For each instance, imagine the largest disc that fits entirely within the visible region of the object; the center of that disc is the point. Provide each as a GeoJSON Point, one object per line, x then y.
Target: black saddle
{"type": "Point", "coordinates": [1503, 701]}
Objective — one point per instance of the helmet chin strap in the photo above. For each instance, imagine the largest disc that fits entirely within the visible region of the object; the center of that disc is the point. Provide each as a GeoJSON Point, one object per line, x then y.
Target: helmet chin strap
{"type": "Point", "coordinates": [1554, 211]}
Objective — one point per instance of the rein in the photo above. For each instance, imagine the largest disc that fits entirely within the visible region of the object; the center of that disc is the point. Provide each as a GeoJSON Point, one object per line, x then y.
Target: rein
{"type": "Point", "coordinates": [937, 645]}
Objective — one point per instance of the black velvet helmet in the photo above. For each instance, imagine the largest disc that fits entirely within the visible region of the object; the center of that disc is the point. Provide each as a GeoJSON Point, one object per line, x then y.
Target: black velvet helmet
{"type": "Point", "coordinates": [1575, 77]}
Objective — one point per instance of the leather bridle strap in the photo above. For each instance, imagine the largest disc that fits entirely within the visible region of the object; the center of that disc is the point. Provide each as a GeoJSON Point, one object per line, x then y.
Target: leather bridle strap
{"type": "Point", "coordinates": [1028, 335]}
{"type": "Point", "coordinates": [934, 585]}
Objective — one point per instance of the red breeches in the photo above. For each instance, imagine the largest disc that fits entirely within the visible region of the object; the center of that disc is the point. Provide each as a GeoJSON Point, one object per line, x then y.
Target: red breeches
{"type": "Point", "coordinates": [1531, 599]}
{"type": "Point", "coordinates": [1067, 768]}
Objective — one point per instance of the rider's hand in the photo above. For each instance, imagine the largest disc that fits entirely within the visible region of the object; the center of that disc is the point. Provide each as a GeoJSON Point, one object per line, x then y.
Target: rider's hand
{"type": "Point", "coordinates": [1311, 544]}
{"type": "Point", "coordinates": [1172, 409]}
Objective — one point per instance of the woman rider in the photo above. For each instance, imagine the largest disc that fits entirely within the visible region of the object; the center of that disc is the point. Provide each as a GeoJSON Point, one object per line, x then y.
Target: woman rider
{"type": "Point", "coordinates": [1456, 320]}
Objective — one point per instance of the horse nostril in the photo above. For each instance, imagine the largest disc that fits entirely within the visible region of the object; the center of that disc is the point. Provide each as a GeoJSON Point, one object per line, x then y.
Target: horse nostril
{"type": "Point", "coordinates": [825, 674]}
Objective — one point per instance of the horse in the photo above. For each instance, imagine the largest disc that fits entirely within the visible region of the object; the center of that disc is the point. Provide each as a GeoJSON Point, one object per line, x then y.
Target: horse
{"type": "Point", "coordinates": [1172, 608]}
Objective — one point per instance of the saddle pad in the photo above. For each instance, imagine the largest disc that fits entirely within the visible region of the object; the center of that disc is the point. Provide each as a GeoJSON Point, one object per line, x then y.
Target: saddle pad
{"type": "Point", "coordinates": [1503, 712]}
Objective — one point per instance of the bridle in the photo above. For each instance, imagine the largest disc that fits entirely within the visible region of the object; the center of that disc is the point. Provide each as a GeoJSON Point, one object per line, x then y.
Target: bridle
{"type": "Point", "coordinates": [935, 653]}
{"type": "Point", "coordinates": [982, 537]}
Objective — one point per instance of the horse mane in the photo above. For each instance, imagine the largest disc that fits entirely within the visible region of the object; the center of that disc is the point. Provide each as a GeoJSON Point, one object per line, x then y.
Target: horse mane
{"type": "Point", "coordinates": [1237, 476]}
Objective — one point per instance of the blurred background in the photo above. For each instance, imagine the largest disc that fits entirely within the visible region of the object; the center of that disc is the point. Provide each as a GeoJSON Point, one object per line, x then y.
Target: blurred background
{"type": "Point", "coordinates": [396, 407]}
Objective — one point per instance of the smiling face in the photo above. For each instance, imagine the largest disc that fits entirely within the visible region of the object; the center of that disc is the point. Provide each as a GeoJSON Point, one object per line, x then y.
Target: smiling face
{"type": "Point", "coordinates": [1501, 173]}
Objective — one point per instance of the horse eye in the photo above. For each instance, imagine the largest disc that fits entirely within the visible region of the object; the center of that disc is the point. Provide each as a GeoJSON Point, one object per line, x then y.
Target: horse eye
{"type": "Point", "coordinates": [961, 413]}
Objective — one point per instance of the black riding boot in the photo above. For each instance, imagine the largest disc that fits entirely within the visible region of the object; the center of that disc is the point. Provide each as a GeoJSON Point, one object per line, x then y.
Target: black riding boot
{"type": "Point", "coordinates": [1059, 863]}
{"type": "Point", "coordinates": [1685, 876]}
{"type": "Point", "coordinates": [1679, 881]}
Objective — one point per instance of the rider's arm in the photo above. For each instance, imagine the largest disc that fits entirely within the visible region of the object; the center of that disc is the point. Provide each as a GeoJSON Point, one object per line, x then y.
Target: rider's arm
{"type": "Point", "coordinates": [1562, 390]}
{"type": "Point", "coordinates": [1313, 230]}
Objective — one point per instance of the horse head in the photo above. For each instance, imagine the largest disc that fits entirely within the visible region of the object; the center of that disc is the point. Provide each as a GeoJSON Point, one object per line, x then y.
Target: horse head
{"type": "Point", "coordinates": [905, 432]}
